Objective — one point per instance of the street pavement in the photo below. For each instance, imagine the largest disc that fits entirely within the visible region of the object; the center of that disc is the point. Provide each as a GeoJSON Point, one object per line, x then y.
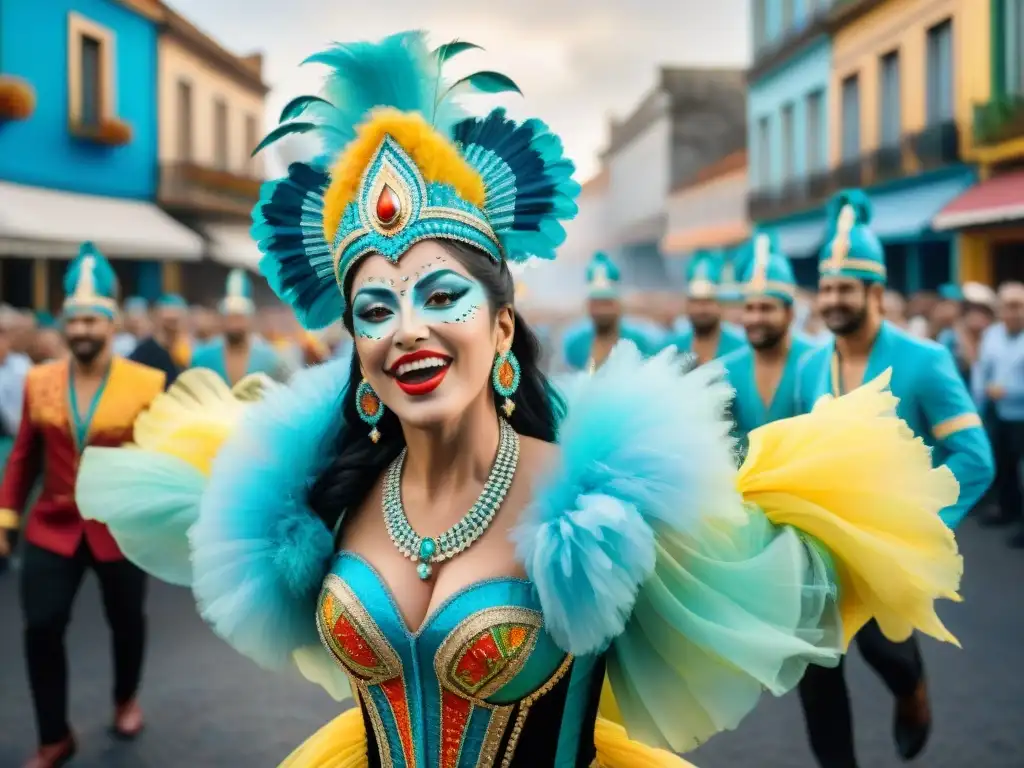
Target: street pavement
{"type": "Point", "coordinates": [207, 706]}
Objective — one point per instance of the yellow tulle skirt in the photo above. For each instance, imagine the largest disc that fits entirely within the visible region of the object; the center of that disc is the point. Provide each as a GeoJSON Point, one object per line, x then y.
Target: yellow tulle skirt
{"type": "Point", "coordinates": [342, 744]}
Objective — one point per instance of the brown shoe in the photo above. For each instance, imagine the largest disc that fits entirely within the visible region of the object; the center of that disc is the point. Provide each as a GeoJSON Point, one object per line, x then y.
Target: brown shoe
{"type": "Point", "coordinates": [128, 721]}
{"type": "Point", "coordinates": [54, 755]}
{"type": "Point", "coordinates": [913, 722]}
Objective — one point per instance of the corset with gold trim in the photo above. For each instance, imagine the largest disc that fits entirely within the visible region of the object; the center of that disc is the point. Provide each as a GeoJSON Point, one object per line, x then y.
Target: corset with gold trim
{"type": "Point", "coordinates": [480, 684]}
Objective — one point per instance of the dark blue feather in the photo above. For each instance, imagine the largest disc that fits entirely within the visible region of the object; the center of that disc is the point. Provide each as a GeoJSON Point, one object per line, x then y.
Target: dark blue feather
{"type": "Point", "coordinates": [281, 131]}
{"type": "Point", "coordinates": [298, 105]}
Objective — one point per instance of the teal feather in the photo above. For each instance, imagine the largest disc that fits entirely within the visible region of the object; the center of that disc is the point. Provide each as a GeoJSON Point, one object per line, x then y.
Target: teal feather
{"type": "Point", "coordinates": [855, 198]}
{"type": "Point", "coordinates": [288, 129]}
{"type": "Point", "coordinates": [486, 82]}
{"type": "Point", "coordinates": [300, 104]}
{"type": "Point", "coordinates": [259, 555]}
{"type": "Point", "coordinates": [453, 49]}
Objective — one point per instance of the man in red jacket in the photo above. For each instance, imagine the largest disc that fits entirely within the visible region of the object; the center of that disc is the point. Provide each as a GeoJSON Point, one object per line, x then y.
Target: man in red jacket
{"type": "Point", "coordinates": [92, 398]}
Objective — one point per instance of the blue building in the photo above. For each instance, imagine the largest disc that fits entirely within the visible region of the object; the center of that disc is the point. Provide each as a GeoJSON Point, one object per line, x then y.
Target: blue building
{"type": "Point", "coordinates": [788, 125]}
{"type": "Point", "coordinates": [79, 162]}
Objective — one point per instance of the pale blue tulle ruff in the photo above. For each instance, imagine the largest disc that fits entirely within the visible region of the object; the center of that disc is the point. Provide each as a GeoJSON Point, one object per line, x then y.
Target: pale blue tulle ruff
{"type": "Point", "coordinates": [148, 500]}
{"type": "Point", "coordinates": [640, 449]}
{"type": "Point", "coordinates": [259, 554]}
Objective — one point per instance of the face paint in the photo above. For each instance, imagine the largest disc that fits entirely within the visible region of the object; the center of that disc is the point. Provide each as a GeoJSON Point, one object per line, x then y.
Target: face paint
{"type": "Point", "coordinates": [440, 296]}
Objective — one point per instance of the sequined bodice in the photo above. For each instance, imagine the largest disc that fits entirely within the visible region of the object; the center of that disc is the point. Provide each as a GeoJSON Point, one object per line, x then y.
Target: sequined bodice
{"type": "Point", "coordinates": [465, 689]}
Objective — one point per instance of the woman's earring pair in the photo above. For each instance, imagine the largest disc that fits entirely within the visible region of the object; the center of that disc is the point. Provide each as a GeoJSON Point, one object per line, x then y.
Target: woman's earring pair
{"type": "Point", "coordinates": [505, 375]}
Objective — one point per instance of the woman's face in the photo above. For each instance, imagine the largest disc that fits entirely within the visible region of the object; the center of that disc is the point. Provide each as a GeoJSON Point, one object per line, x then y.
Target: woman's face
{"type": "Point", "coordinates": [424, 334]}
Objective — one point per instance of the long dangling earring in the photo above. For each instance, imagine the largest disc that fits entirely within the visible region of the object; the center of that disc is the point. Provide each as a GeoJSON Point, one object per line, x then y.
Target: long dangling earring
{"type": "Point", "coordinates": [369, 407]}
{"type": "Point", "coordinates": [505, 377]}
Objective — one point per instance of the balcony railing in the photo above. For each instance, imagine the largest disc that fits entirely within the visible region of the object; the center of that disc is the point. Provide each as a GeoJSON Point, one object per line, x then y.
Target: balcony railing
{"type": "Point", "coordinates": [937, 146]}
{"type": "Point", "coordinates": [793, 195]}
{"type": "Point", "coordinates": [886, 163]}
{"type": "Point", "coordinates": [1001, 119]}
{"type": "Point", "coordinates": [199, 189]}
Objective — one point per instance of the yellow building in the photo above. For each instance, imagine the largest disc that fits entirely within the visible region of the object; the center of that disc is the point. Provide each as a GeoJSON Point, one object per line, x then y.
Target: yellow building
{"type": "Point", "coordinates": [211, 106]}
{"type": "Point", "coordinates": [989, 218]}
{"type": "Point", "coordinates": [906, 76]}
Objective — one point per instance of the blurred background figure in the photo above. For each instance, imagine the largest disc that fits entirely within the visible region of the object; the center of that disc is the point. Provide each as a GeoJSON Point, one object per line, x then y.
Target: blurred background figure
{"type": "Point", "coordinates": [998, 387]}
{"type": "Point", "coordinates": [894, 308]}
{"type": "Point", "coordinates": [239, 352]}
{"type": "Point", "coordinates": [707, 337]}
{"type": "Point", "coordinates": [918, 311]}
{"type": "Point", "coordinates": [46, 341]}
{"type": "Point", "coordinates": [587, 344]}
{"type": "Point", "coordinates": [167, 349]}
{"type": "Point", "coordinates": [134, 326]}
{"type": "Point", "coordinates": [204, 324]}
{"type": "Point", "coordinates": [946, 310]}
{"type": "Point", "coordinates": [974, 313]}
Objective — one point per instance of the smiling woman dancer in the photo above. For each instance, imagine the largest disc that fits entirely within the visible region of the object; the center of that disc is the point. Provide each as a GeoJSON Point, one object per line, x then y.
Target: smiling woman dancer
{"type": "Point", "coordinates": [323, 525]}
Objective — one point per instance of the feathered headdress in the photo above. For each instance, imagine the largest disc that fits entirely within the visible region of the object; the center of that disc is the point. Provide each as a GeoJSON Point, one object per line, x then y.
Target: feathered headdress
{"type": "Point", "coordinates": [765, 270]}
{"type": "Point", "coordinates": [852, 249]}
{"type": "Point", "coordinates": [90, 284]}
{"type": "Point", "coordinates": [400, 162]}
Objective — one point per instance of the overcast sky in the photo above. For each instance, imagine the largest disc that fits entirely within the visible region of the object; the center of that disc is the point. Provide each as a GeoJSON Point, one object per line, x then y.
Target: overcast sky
{"type": "Point", "coordinates": [577, 61]}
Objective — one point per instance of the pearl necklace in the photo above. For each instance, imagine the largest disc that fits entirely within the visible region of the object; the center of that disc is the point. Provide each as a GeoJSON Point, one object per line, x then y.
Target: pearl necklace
{"type": "Point", "coordinates": [427, 550]}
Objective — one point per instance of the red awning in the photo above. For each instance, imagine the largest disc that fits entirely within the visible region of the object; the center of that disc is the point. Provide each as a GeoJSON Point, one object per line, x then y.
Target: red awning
{"type": "Point", "coordinates": [995, 201]}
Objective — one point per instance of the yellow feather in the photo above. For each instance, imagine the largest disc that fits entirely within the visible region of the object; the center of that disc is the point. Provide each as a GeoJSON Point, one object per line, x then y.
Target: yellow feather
{"type": "Point", "coordinates": [191, 420]}
{"type": "Point", "coordinates": [435, 156]}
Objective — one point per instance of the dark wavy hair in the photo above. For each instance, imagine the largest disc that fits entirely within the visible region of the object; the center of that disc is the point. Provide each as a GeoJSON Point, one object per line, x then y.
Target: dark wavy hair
{"type": "Point", "coordinates": [358, 461]}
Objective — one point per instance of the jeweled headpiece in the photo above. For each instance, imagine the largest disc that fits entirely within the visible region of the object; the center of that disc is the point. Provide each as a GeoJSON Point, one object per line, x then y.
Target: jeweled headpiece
{"type": "Point", "coordinates": [852, 249]}
{"type": "Point", "coordinates": [90, 284]}
{"type": "Point", "coordinates": [400, 162]}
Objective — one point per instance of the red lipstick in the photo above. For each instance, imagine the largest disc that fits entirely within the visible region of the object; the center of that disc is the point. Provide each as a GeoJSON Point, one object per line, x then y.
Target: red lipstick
{"type": "Point", "coordinates": [420, 386]}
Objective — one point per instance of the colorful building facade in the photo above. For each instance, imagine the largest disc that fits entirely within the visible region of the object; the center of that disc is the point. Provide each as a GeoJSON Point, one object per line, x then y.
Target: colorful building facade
{"type": "Point", "coordinates": [905, 77]}
{"type": "Point", "coordinates": [78, 146]}
{"type": "Point", "coordinates": [211, 109]}
{"type": "Point", "coordinates": [788, 129]}
{"type": "Point", "coordinates": [988, 219]}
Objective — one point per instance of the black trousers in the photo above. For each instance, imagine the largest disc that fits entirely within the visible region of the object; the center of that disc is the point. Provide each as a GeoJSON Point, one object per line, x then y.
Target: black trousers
{"type": "Point", "coordinates": [1008, 446]}
{"type": "Point", "coordinates": [49, 583]}
{"type": "Point", "coordinates": [826, 701]}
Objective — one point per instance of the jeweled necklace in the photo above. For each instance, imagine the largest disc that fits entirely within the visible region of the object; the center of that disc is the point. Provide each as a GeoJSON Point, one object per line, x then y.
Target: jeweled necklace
{"type": "Point", "coordinates": [426, 550]}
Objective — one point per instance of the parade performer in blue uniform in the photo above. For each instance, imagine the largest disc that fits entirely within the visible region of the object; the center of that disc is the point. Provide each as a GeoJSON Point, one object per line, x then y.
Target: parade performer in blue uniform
{"type": "Point", "coordinates": [90, 398]}
{"type": "Point", "coordinates": [706, 337]}
{"type": "Point", "coordinates": [587, 345]}
{"type": "Point", "coordinates": [239, 352]}
{"type": "Point", "coordinates": [764, 372]}
{"type": "Point", "coordinates": [432, 529]}
{"type": "Point", "coordinates": [934, 403]}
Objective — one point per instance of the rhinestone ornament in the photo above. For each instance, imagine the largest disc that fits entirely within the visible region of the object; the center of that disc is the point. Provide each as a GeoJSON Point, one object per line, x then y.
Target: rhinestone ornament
{"type": "Point", "coordinates": [425, 551]}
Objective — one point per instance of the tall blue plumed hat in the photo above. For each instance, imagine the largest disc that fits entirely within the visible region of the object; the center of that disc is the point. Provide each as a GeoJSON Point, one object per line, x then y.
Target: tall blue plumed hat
{"type": "Point", "coordinates": [851, 248]}
{"type": "Point", "coordinates": [730, 287]}
{"type": "Point", "coordinates": [603, 277]}
{"type": "Point", "coordinates": [172, 301]}
{"type": "Point", "coordinates": [702, 275]}
{"type": "Point", "coordinates": [136, 305]}
{"type": "Point", "coordinates": [399, 161]}
{"type": "Point", "coordinates": [237, 294]}
{"type": "Point", "coordinates": [766, 271]}
{"type": "Point", "coordinates": [950, 292]}
{"type": "Point", "coordinates": [90, 284]}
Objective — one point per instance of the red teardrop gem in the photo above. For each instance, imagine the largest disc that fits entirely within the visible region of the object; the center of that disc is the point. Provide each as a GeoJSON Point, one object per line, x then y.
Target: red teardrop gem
{"type": "Point", "coordinates": [388, 206]}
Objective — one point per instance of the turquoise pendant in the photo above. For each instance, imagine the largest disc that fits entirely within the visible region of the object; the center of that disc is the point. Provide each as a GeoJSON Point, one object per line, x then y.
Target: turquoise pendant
{"type": "Point", "coordinates": [427, 550]}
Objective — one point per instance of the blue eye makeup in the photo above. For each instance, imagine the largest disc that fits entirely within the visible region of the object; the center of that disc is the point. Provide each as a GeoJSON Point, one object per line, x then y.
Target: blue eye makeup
{"type": "Point", "coordinates": [441, 296]}
{"type": "Point", "coordinates": [374, 312]}
{"type": "Point", "coordinates": [448, 297]}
